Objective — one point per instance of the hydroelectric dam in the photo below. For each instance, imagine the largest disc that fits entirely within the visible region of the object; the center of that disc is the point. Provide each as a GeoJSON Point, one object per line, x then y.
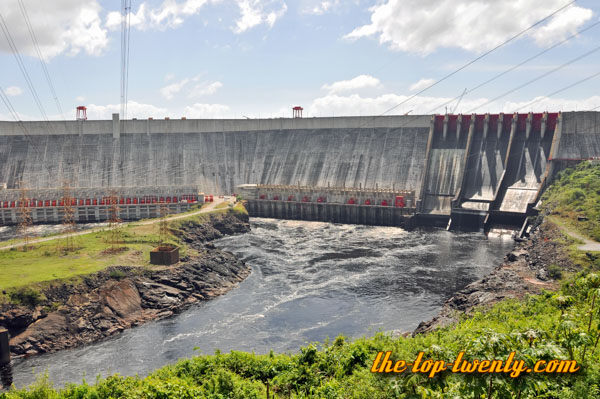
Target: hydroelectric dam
{"type": "Point", "coordinates": [447, 170]}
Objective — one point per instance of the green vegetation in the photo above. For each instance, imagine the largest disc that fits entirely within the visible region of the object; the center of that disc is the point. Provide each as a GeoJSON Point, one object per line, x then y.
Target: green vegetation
{"type": "Point", "coordinates": [553, 325]}
{"type": "Point", "coordinates": [563, 325]}
{"type": "Point", "coordinates": [27, 296]}
{"type": "Point", "coordinates": [222, 205]}
{"type": "Point", "coordinates": [46, 263]}
{"type": "Point", "coordinates": [575, 199]}
{"type": "Point", "coordinates": [554, 272]}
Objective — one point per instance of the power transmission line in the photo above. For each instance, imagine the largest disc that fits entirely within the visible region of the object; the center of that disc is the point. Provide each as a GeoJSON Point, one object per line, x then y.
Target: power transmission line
{"type": "Point", "coordinates": [561, 90]}
{"type": "Point", "coordinates": [22, 67]}
{"type": "Point", "coordinates": [16, 117]}
{"type": "Point", "coordinates": [127, 71]}
{"type": "Point", "coordinates": [473, 61]}
{"type": "Point", "coordinates": [40, 57]}
{"type": "Point", "coordinates": [479, 57]}
{"type": "Point", "coordinates": [536, 78]}
{"type": "Point", "coordinates": [125, 32]}
{"type": "Point", "coordinates": [517, 66]}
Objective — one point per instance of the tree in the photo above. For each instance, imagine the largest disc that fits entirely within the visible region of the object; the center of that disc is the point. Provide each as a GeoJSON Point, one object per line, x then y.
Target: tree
{"type": "Point", "coordinates": [115, 234]}
{"type": "Point", "coordinates": [24, 215]}
{"type": "Point", "coordinates": [163, 226]}
{"type": "Point", "coordinates": [68, 220]}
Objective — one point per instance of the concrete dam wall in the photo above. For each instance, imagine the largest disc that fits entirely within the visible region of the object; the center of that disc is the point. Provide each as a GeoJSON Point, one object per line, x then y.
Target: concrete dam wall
{"type": "Point", "coordinates": [460, 167]}
{"type": "Point", "coordinates": [358, 153]}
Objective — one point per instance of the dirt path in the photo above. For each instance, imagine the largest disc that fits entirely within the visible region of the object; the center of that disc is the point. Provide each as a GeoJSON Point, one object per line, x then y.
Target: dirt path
{"type": "Point", "coordinates": [588, 245]}
{"type": "Point", "coordinates": [211, 206]}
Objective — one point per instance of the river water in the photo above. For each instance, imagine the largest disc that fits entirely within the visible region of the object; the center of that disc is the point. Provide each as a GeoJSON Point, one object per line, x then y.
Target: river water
{"type": "Point", "coordinates": [42, 230]}
{"type": "Point", "coordinates": [309, 281]}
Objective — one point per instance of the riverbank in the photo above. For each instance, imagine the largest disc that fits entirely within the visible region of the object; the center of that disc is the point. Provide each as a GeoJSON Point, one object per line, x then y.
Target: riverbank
{"type": "Point", "coordinates": [532, 266]}
{"type": "Point", "coordinates": [67, 313]}
{"type": "Point", "coordinates": [570, 212]}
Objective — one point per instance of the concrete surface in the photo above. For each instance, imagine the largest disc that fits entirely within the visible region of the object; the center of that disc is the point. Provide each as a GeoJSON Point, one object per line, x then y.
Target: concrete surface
{"type": "Point", "coordinates": [4, 347]}
{"type": "Point", "coordinates": [217, 162]}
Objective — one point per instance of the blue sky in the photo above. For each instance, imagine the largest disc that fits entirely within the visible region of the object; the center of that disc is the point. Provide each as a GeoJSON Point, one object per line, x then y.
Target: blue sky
{"type": "Point", "coordinates": [258, 58]}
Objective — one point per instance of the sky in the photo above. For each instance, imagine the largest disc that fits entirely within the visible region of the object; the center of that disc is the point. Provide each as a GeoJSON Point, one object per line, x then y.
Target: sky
{"type": "Point", "coordinates": [259, 58]}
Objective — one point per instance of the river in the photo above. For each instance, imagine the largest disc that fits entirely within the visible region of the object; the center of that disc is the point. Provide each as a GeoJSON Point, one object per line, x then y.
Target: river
{"type": "Point", "coordinates": [309, 281]}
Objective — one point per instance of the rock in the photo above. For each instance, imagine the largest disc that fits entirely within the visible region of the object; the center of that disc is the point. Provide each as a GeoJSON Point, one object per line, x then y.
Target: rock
{"type": "Point", "coordinates": [516, 254]}
{"type": "Point", "coordinates": [542, 274]}
{"type": "Point", "coordinates": [102, 324]}
{"type": "Point", "coordinates": [114, 330]}
{"type": "Point", "coordinates": [159, 296]}
{"type": "Point", "coordinates": [52, 327]}
{"type": "Point", "coordinates": [39, 313]}
{"type": "Point", "coordinates": [123, 298]}
{"type": "Point", "coordinates": [16, 319]}
{"type": "Point", "coordinates": [83, 325]}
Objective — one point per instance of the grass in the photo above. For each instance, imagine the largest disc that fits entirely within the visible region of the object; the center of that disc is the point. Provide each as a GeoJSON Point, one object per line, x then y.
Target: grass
{"type": "Point", "coordinates": [45, 262]}
{"type": "Point", "coordinates": [222, 205]}
{"type": "Point", "coordinates": [574, 195]}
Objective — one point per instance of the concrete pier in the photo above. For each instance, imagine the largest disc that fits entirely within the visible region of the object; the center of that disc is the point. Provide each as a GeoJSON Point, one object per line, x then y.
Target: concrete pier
{"type": "Point", "coordinates": [350, 205]}
{"type": "Point", "coordinates": [4, 347]}
{"type": "Point", "coordinates": [333, 213]}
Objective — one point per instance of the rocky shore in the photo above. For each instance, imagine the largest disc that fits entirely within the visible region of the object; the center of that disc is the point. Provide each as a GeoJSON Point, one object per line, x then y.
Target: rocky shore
{"type": "Point", "coordinates": [528, 269]}
{"type": "Point", "coordinates": [117, 298]}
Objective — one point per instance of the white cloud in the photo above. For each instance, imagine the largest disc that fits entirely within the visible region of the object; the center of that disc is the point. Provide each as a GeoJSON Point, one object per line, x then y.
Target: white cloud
{"type": "Point", "coordinates": [169, 91]}
{"type": "Point", "coordinates": [356, 105]}
{"type": "Point", "coordinates": [171, 14]}
{"type": "Point", "coordinates": [13, 91]}
{"type": "Point", "coordinates": [562, 25]}
{"type": "Point", "coordinates": [206, 111]}
{"type": "Point", "coordinates": [134, 110]}
{"type": "Point", "coordinates": [192, 86]}
{"type": "Point", "coordinates": [256, 12]}
{"type": "Point", "coordinates": [80, 99]}
{"type": "Point", "coordinates": [204, 89]}
{"type": "Point", "coordinates": [421, 84]}
{"type": "Point", "coordinates": [61, 26]}
{"type": "Point", "coordinates": [422, 26]}
{"type": "Point", "coordinates": [322, 7]}
{"type": "Point", "coordinates": [359, 82]}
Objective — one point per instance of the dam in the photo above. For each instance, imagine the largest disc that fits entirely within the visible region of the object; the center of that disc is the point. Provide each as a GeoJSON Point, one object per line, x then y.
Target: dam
{"type": "Point", "coordinates": [457, 170]}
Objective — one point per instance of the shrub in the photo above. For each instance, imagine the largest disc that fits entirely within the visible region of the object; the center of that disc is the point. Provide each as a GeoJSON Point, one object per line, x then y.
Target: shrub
{"type": "Point", "coordinates": [554, 271]}
{"type": "Point", "coordinates": [117, 274]}
{"type": "Point", "coordinates": [27, 296]}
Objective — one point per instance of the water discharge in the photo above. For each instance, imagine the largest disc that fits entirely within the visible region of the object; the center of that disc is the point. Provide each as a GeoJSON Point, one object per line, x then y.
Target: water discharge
{"type": "Point", "coordinates": [309, 281]}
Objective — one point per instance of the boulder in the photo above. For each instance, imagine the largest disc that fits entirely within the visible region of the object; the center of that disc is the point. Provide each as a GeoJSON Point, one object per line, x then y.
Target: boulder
{"type": "Point", "coordinates": [123, 298]}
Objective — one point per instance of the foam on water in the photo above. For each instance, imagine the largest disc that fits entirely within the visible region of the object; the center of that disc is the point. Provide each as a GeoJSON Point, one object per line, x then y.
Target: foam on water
{"type": "Point", "coordinates": [309, 281]}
